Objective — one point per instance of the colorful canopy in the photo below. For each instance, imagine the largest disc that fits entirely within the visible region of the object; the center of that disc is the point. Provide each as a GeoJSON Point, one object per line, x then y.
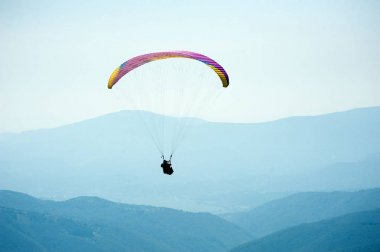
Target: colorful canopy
{"type": "Point", "coordinates": [135, 62]}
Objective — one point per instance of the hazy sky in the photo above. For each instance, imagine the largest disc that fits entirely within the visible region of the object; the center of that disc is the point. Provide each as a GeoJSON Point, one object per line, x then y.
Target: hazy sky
{"type": "Point", "coordinates": [284, 58]}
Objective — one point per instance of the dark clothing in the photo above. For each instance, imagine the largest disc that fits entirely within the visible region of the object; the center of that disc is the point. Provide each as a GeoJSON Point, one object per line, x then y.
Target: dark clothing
{"type": "Point", "coordinates": [167, 167]}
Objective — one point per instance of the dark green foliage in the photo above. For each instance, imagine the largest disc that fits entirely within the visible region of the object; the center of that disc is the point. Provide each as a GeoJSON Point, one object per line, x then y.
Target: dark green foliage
{"type": "Point", "coordinates": [94, 224]}
{"type": "Point", "coordinates": [303, 208]}
{"type": "Point", "coordinates": [353, 232]}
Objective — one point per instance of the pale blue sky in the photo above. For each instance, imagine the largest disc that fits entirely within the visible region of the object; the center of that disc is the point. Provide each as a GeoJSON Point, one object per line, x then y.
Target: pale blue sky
{"type": "Point", "coordinates": [284, 58]}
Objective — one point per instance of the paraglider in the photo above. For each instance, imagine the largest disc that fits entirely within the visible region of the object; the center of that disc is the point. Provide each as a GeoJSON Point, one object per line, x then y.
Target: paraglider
{"type": "Point", "coordinates": [167, 165]}
{"type": "Point", "coordinates": [140, 60]}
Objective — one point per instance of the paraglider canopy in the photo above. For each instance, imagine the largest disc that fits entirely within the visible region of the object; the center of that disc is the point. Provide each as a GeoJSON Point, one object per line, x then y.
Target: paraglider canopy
{"type": "Point", "coordinates": [135, 62]}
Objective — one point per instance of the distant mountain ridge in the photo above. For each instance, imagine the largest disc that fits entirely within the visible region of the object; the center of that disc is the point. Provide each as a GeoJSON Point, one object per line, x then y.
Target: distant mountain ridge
{"type": "Point", "coordinates": [304, 208]}
{"type": "Point", "coordinates": [94, 224]}
{"type": "Point", "coordinates": [113, 157]}
{"type": "Point", "coordinates": [355, 232]}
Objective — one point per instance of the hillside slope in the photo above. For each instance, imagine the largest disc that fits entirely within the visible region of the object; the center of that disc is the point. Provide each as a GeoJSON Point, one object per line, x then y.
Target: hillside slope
{"type": "Point", "coordinates": [304, 208]}
{"type": "Point", "coordinates": [353, 232]}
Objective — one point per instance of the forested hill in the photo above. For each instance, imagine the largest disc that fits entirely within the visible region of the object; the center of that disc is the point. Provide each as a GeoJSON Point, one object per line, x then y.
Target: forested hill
{"type": "Point", "coordinates": [354, 232]}
{"type": "Point", "coordinates": [94, 224]}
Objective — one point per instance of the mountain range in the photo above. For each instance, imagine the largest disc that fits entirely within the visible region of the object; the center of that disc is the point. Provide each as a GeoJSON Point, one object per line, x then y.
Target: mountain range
{"type": "Point", "coordinates": [220, 167]}
{"type": "Point", "coordinates": [335, 221]}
